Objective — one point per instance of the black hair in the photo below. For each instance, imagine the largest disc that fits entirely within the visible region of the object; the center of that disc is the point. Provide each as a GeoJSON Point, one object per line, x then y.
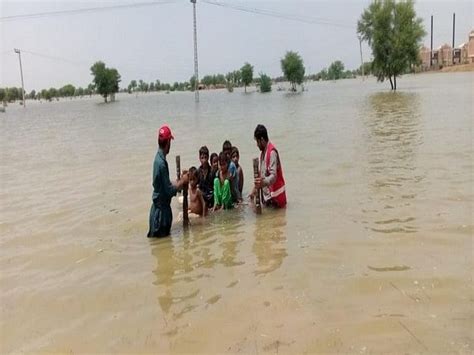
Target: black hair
{"type": "Point", "coordinates": [224, 158]}
{"type": "Point", "coordinates": [235, 150]}
{"type": "Point", "coordinates": [162, 142]}
{"type": "Point", "coordinates": [226, 146]}
{"type": "Point", "coordinates": [214, 155]}
{"type": "Point", "coordinates": [193, 172]}
{"type": "Point", "coordinates": [203, 150]}
{"type": "Point", "coordinates": [261, 132]}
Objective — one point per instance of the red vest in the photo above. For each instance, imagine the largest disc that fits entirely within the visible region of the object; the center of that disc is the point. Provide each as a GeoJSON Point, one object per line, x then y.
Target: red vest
{"type": "Point", "coordinates": [277, 190]}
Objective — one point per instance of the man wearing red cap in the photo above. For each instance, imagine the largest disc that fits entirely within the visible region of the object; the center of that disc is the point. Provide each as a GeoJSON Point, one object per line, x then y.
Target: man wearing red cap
{"type": "Point", "coordinates": [161, 216]}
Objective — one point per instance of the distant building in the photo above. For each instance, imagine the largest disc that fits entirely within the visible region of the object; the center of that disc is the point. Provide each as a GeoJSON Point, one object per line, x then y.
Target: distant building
{"type": "Point", "coordinates": [460, 55]}
{"type": "Point", "coordinates": [470, 51]}
{"type": "Point", "coordinates": [444, 55]}
{"type": "Point", "coordinates": [425, 58]}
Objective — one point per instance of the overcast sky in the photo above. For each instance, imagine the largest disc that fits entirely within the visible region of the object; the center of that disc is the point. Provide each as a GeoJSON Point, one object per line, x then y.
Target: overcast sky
{"type": "Point", "coordinates": [156, 42]}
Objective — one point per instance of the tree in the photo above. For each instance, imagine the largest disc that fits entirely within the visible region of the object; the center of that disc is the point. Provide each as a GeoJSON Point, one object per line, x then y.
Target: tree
{"type": "Point", "coordinates": [394, 33]}
{"type": "Point", "coordinates": [293, 69]}
{"type": "Point", "coordinates": [12, 94]}
{"type": "Point", "coordinates": [3, 95]}
{"type": "Point", "coordinates": [106, 80]}
{"type": "Point", "coordinates": [336, 70]}
{"type": "Point", "coordinates": [265, 83]}
{"type": "Point", "coordinates": [32, 95]}
{"type": "Point", "coordinates": [192, 82]}
{"type": "Point", "coordinates": [53, 93]}
{"type": "Point", "coordinates": [79, 92]}
{"type": "Point", "coordinates": [67, 90]}
{"type": "Point", "coordinates": [247, 74]}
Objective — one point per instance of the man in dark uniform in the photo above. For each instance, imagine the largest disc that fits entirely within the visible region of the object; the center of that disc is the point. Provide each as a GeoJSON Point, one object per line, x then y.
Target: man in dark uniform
{"type": "Point", "coordinates": [161, 216]}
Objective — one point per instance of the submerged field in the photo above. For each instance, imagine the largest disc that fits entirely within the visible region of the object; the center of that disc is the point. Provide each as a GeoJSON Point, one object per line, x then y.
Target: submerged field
{"type": "Point", "coordinates": [373, 253]}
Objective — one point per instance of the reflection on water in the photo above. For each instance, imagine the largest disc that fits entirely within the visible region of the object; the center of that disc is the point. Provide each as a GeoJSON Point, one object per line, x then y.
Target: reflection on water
{"type": "Point", "coordinates": [270, 243]}
{"type": "Point", "coordinates": [393, 134]}
{"type": "Point", "coordinates": [185, 263]}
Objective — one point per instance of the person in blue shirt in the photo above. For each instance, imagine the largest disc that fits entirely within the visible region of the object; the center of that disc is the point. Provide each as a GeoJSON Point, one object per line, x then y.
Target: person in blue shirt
{"type": "Point", "coordinates": [161, 216]}
{"type": "Point", "coordinates": [233, 176]}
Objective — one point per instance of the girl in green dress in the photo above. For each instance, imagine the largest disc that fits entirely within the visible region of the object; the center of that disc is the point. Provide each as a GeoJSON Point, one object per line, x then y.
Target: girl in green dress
{"type": "Point", "coordinates": [222, 194]}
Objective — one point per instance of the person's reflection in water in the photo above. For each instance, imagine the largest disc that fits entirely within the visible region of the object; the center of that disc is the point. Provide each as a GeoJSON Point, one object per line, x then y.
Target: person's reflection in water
{"type": "Point", "coordinates": [392, 122]}
{"type": "Point", "coordinates": [230, 236]}
{"type": "Point", "coordinates": [174, 264]}
{"type": "Point", "coordinates": [270, 241]}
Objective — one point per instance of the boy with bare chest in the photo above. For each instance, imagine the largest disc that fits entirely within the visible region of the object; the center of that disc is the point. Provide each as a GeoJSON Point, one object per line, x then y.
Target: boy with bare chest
{"type": "Point", "coordinates": [197, 205]}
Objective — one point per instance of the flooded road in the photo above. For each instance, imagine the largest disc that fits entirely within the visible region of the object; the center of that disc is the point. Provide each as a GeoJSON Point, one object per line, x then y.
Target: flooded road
{"type": "Point", "coordinates": [373, 253]}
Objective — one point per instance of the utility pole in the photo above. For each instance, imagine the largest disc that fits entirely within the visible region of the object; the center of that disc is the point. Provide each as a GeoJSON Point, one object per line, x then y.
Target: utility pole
{"type": "Point", "coordinates": [21, 73]}
{"type": "Point", "coordinates": [361, 60]}
{"type": "Point", "coordinates": [431, 52]}
{"type": "Point", "coordinates": [196, 75]}
{"type": "Point", "coordinates": [454, 31]}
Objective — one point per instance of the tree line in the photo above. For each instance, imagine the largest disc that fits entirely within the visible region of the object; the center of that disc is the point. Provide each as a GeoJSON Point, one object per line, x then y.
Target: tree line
{"type": "Point", "coordinates": [12, 94]}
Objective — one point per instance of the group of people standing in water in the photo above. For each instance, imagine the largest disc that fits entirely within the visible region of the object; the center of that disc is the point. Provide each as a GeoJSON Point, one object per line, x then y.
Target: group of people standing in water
{"type": "Point", "coordinates": [216, 184]}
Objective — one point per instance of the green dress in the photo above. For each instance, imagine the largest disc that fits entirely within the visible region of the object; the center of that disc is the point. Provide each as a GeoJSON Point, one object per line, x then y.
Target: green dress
{"type": "Point", "coordinates": [222, 194]}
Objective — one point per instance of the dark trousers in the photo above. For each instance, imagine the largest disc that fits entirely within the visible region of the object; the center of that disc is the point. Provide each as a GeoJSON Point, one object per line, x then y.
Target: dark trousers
{"type": "Point", "coordinates": [160, 221]}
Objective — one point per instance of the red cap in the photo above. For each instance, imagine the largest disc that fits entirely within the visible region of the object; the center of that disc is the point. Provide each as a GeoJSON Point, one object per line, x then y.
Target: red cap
{"type": "Point", "coordinates": [165, 133]}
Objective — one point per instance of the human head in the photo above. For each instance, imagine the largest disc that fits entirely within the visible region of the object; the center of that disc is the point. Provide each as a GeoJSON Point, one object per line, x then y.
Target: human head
{"type": "Point", "coordinates": [227, 147]}
{"type": "Point", "coordinates": [204, 155]}
{"type": "Point", "coordinates": [235, 155]}
{"type": "Point", "coordinates": [164, 138]}
{"type": "Point", "coordinates": [223, 162]}
{"type": "Point", "coordinates": [193, 176]}
{"type": "Point", "coordinates": [214, 161]}
{"type": "Point", "coordinates": [261, 137]}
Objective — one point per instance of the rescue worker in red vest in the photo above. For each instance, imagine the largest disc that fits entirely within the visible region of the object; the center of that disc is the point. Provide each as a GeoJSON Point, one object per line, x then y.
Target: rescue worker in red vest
{"type": "Point", "coordinates": [271, 180]}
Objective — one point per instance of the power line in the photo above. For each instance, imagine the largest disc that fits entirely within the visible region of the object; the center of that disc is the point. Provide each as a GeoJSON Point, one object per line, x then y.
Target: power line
{"type": "Point", "coordinates": [85, 10]}
{"type": "Point", "coordinates": [271, 13]}
{"type": "Point", "coordinates": [75, 62]}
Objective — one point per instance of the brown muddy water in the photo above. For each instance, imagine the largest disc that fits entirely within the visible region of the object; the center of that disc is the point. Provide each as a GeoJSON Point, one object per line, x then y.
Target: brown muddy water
{"type": "Point", "coordinates": [373, 254]}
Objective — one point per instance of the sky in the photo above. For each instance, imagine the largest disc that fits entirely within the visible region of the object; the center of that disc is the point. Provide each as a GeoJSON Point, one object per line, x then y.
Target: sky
{"type": "Point", "coordinates": [156, 42]}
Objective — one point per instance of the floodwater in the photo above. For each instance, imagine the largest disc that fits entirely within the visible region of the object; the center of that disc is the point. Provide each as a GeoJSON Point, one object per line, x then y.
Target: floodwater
{"type": "Point", "coordinates": [373, 254]}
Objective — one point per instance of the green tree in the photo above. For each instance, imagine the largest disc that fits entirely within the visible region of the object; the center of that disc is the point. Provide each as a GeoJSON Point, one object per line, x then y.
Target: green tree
{"type": "Point", "coordinates": [53, 93]}
{"type": "Point", "coordinates": [106, 80]}
{"type": "Point", "coordinates": [265, 83]}
{"type": "Point", "coordinates": [394, 33]}
{"type": "Point", "coordinates": [237, 77]}
{"type": "Point", "coordinates": [67, 90]}
{"type": "Point", "coordinates": [79, 92]}
{"type": "Point", "coordinates": [32, 95]}
{"type": "Point", "coordinates": [192, 82]}
{"type": "Point", "coordinates": [3, 95]}
{"type": "Point", "coordinates": [12, 94]}
{"type": "Point", "coordinates": [336, 70]}
{"type": "Point", "coordinates": [293, 69]}
{"type": "Point", "coordinates": [247, 75]}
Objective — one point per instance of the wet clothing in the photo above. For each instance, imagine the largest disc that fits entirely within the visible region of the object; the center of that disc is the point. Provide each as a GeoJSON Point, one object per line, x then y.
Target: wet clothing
{"type": "Point", "coordinates": [222, 194]}
{"type": "Point", "coordinates": [274, 193]}
{"type": "Point", "coordinates": [234, 186]}
{"type": "Point", "coordinates": [161, 216]}
{"type": "Point", "coordinates": [206, 185]}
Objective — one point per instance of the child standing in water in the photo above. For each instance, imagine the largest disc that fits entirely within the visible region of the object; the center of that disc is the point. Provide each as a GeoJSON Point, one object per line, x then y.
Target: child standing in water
{"type": "Point", "coordinates": [233, 177]}
{"type": "Point", "coordinates": [214, 165]}
{"type": "Point", "coordinates": [206, 179]}
{"type": "Point", "coordinates": [235, 156]}
{"type": "Point", "coordinates": [222, 194]}
{"type": "Point", "coordinates": [196, 200]}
